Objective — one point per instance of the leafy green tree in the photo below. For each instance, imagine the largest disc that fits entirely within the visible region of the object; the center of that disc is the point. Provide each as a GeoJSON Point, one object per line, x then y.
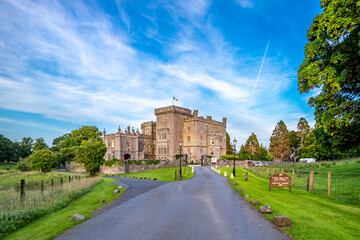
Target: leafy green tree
{"type": "Point", "coordinates": [43, 160]}
{"type": "Point", "coordinates": [332, 64]}
{"type": "Point", "coordinates": [229, 147]}
{"type": "Point", "coordinates": [39, 144]}
{"type": "Point", "coordinates": [303, 129]}
{"type": "Point", "coordinates": [262, 154]}
{"type": "Point", "coordinates": [8, 150]}
{"type": "Point", "coordinates": [280, 142]}
{"type": "Point", "coordinates": [85, 133]}
{"type": "Point", "coordinates": [91, 153]}
{"type": "Point", "coordinates": [252, 144]}
{"type": "Point", "coordinates": [24, 164]}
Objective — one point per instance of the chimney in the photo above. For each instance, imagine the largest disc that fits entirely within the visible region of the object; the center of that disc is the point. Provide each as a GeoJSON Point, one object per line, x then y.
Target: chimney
{"type": "Point", "coordinates": [196, 112]}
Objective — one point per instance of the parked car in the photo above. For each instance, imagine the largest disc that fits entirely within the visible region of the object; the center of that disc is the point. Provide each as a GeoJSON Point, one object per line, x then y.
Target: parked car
{"type": "Point", "coordinates": [256, 164]}
{"type": "Point", "coordinates": [250, 163]}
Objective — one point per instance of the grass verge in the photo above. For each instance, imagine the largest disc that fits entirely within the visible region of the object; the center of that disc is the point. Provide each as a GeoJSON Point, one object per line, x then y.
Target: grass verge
{"type": "Point", "coordinates": [57, 222]}
{"type": "Point", "coordinates": [161, 174]}
{"type": "Point", "coordinates": [312, 216]}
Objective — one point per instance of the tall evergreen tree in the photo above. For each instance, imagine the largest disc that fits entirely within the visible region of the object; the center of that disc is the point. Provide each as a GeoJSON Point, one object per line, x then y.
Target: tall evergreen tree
{"type": "Point", "coordinates": [229, 147]}
{"type": "Point", "coordinates": [252, 144]}
{"type": "Point", "coordinates": [280, 142]}
{"type": "Point", "coordinates": [303, 129]}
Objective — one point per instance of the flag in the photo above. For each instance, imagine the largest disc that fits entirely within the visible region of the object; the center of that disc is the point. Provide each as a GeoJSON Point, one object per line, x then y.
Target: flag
{"type": "Point", "coordinates": [175, 99]}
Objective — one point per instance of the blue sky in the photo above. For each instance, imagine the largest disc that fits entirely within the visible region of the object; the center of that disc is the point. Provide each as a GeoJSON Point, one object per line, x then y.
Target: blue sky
{"type": "Point", "coordinates": [64, 64]}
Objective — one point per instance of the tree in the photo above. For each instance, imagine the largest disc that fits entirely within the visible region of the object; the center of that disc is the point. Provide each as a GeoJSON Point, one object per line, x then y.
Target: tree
{"type": "Point", "coordinates": [280, 142]}
{"type": "Point", "coordinates": [91, 153]}
{"type": "Point", "coordinates": [303, 129]}
{"type": "Point", "coordinates": [229, 147]}
{"type": "Point", "coordinates": [332, 63]}
{"type": "Point", "coordinates": [8, 150]}
{"type": "Point", "coordinates": [85, 133]}
{"type": "Point", "coordinates": [42, 160]}
{"type": "Point", "coordinates": [295, 141]}
{"type": "Point", "coordinates": [262, 154]}
{"type": "Point", "coordinates": [252, 144]}
{"type": "Point", "coordinates": [243, 154]}
{"type": "Point", "coordinates": [39, 144]}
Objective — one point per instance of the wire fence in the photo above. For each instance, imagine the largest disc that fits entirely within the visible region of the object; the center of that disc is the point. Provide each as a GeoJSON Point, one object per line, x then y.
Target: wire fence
{"type": "Point", "coordinates": [341, 186]}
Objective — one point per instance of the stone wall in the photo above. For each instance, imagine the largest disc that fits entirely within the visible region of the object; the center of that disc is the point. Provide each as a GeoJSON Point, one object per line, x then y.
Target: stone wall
{"type": "Point", "coordinates": [229, 163]}
{"type": "Point", "coordinates": [119, 169]}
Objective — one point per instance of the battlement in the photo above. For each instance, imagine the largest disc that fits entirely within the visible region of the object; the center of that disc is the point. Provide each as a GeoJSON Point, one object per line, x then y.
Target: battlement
{"type": "Point", "coordinates": [173, 109]}
{"type": "Point", "coordinates": [208, 119]}
{"type": "Point", "coordinates": [150, 123]}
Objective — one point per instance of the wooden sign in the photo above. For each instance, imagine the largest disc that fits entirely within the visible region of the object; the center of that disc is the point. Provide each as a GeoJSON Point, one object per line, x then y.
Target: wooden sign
{"type": "Point", "coordinates": [280, 180]}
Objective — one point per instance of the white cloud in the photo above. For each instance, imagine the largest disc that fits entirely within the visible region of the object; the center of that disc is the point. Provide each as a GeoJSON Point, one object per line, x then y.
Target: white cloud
{"type": "Point", "coordinates": [95, 74]}
{"type": "Point", "coordinates": [245, 3]}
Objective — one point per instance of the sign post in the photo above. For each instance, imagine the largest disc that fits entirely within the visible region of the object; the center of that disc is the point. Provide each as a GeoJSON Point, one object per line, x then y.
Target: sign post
{"type": "Point", "coordinates": [280, 180]}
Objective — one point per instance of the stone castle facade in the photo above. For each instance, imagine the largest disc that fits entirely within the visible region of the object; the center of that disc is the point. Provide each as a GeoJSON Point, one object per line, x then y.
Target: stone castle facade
{"type": "Point", "coordinates": [199, 136]}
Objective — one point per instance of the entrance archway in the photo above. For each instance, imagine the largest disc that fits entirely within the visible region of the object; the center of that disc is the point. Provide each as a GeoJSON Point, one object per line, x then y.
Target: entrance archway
{"type": "Point", "coordinates": [127, 156]}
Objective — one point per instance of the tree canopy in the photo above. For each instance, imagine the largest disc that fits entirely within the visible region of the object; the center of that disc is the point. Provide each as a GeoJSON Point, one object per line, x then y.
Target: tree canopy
{"type": "Point", "coordinates": [229, 147]}
{"type": "Point", "coordinates": [280, 142]}
{"type": "Point", "coordinates": [332, 67]}
{"type": "Point", "coordinates": [252, 144]}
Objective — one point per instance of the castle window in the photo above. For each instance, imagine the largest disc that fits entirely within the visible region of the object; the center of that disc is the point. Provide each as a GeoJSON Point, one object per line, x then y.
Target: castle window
{"type": "Point", "coordinates": [201, 139]}
{"type": "Point", "coordinates": [113, 143]}
{"type": "Point", "coordinates": [188, 139]}
{"type": "Point", "coordinates": [148, 131]}
{"type": "Point", "coordinates": [189, 129]}
{"type": "Point", "coordinates": [201, 151]}
{"type": "Point", "coordinates": [202, 130]}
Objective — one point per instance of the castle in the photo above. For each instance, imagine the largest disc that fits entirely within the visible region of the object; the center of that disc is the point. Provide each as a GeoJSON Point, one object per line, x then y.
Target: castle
{"type": "Point", "coordinates": [174, 125]}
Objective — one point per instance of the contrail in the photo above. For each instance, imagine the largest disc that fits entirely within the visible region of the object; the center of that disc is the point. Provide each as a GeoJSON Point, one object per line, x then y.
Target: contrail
{"type": "Point", "coordinates": [258, 76]}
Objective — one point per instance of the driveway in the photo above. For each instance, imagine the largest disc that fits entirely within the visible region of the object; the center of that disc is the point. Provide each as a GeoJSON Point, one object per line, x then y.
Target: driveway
{"type": "Point", "coordinates": [205, 207]}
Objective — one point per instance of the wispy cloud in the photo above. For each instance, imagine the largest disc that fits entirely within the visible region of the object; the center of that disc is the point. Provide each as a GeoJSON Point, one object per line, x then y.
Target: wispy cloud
{"type": "Point", "coordinates": [72, 62]}
{"type": "Point", "coordinates": [245, 3]}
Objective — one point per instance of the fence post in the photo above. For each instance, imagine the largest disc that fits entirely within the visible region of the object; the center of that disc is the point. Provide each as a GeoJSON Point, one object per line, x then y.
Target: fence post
{"type": "Point", "coordinates": [22, 189]}
{"type": "Point", "coordinates": [175, 175]}
{"type": "Point", "coordinates": [293, 177]}
{"type": "Point", "coordinates": [282, 170]}
{"type": "Point", "coordinates": [42, 187]}
{"type": "Point", "coordinates": [246, 176]}
{"type": "Point", "coordinates": [52, 184]}
{"type": "Point", "coordinates": [61, 182]}
{"type": "Point", "coordinates": [311, 180]}
{"type": "Point", "coordinates": [329, 183]}
{"type": "Point", "coordinates": [262, 173]}
{"type": "Point", "coordinates": [307, 183]}
{"type": "Point", "coordinates": [273, 170]}
{"type": "Point", "coordinates": [69, 178]}
{"type": "Point", "coordinates": [267, 172]}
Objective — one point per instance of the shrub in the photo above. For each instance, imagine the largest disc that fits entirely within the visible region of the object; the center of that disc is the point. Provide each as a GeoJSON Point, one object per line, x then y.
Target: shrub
{"type": "Point", "coordinates": [24, 164]}
{"type": "Point", "coordinates": [43, 160]}
{"type": "Point", "coordinates": [138, 162]}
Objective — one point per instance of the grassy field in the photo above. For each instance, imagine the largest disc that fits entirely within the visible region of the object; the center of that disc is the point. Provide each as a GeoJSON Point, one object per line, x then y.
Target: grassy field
{"type": "Point", "coordinates": [345, 177]}
{"type": "Point", "coordinates": [161, 174]}
{"type": "Point", "coordinates": [52, 225]}
{"type": "Point", "coordinates": [312, 216]}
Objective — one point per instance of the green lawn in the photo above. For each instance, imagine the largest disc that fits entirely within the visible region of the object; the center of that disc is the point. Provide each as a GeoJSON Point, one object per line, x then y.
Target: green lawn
{"type": "Point", "coordinates": [313, 216]}
{"type": "Point", "coordinates": [52, 225]}
{"type": "Point", "coordinates": [345, 178]}
{"type": "Point", "coordinates": [161, 174]}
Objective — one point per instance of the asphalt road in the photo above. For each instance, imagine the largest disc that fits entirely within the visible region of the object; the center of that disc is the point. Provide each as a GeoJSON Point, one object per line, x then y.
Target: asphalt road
{"type": "Point", "coordinates": [205, 207]}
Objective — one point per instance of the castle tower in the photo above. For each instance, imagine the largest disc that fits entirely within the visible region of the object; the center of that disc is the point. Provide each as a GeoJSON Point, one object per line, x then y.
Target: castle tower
{"type": "Point", "coordinates": [169, 130]}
